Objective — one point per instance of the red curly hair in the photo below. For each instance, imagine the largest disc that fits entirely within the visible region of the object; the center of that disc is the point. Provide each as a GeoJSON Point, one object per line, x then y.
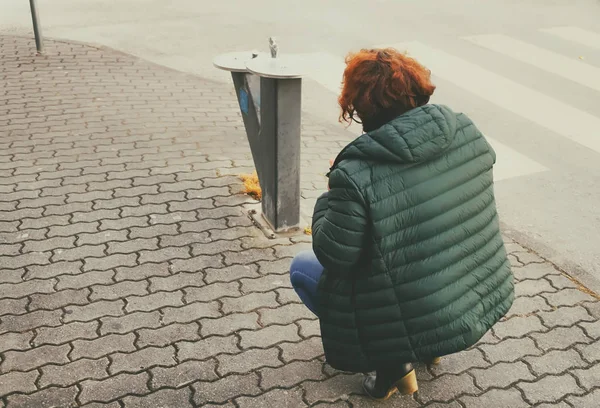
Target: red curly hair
{"type": "Point", "coordinates": [382, 84]}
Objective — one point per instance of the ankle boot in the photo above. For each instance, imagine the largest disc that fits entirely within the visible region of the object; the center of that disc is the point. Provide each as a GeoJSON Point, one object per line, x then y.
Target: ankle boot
{"type": "Point", "coordinates": [386, 382]}
{"type": "Point", "coordinates": [433, 361]}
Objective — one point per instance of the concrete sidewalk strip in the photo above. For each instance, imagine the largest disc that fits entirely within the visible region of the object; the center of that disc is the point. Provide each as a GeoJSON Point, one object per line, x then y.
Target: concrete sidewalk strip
{"type": "Point", "coordinates": [131, 276]}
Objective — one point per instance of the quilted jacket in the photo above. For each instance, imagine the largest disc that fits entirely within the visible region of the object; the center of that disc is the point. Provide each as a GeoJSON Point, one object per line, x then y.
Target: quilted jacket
{"type": "Point", "coordinates": [408, 234]}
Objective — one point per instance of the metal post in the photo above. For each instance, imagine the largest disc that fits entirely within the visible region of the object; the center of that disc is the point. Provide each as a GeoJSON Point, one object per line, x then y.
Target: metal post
{"type": "Point", "coordinates": [280, 146]}
{"type": "Point", "coordinates": [37, 29]}
{"type": "Point", "coordinates": [273, 125]}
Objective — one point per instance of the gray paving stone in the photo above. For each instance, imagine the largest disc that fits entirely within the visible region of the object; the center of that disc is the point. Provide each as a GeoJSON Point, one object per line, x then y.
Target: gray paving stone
{"type": "Point", "coordinates": [268, 336]}
{"type": "Point", "coordinates": [555, 362]}
{"type": "Point", "coordinates": [49, 397]}
{"type": "Point", "coordinates": [206, 348]}
{"type": "Point", "coordinates": [567, 297]}
{"type": "Point", "coordinates": [560, 338]}
{"type": "Point", "coordinates": [285, 296]}
{"type": "Point", "coordinates": [212, 292]}
{"type": "Point", "coordinates": [59, 299]}
{"type": "Point", "coordinates": [12, 275]}
{"type": "Point", "coordinates": [275, 398]}
{"type": "Point", "coordinates": [154, 301]}
{"type": "Point", "coordinates": [18, 381]}
{"type": "Point", "coordinates": [72, 229]}
{"type": "Point", "coordinates": [130, 322]}
{"type": "Point", "coordinates": [196, 264]}
{"type": "Point", "coordinates": [291, 374]}
{"type": "Point", "coordinates": [593, 308]}
{"type": "Point", "coordinates": [228, 324]}
{"type": "Point", "coordinates": [94, 311]}
{"type": "Point", "coordinates": [177, 281]}
{"type": "Point", "coordinates": [309, 328]}
{"type": "Point", "coordinates": [113, 387]}
{"type": "Point", "coordinates": [183, 374]}
{"type": "Point", "coordinates": [190, 313]}
{"type": "Point", "coordinates": [565, 316]}
{"type": "Point", "coordinates": [216, 247]}
{"type": "Point", "coordinates": [85, 279]}
{"type": "Point", "coordinates": [266, 283]}
{"type": "Point", "coordinates": [527, 305]}
{"type": "Point", "coordinates": [592, 329]}
{"type": "Point", "coordinates": [285, 314]}
{"type": "Point", "coordinates": [247, 361]}
{"type": "Point", "coordinates": [25, 322]}
{"type": "Point", "coordinates": [13, 306]}
{"type": "Point", "coordinates": [510, 350]}
{"type": "Point", "coordinates": [447, 387]}
{"type": "Point", "coordinates": [168, 335]}
{"type": "Point", "coordinates": [119, 290]}
{"type": "Point", "coordinates": [535, 271]}
{"type": "Point", "coordinates": [72, 373]}
{"type": "Point", "coordinates": [224, 389]}
{"type": "Point", "coordinates": [15, 341]}
{"type": "Point", "coordinates": [34, 358]}
{"type": "Point", "coordinates": [518, 327]}
{"type": "Point", "coordinates": [303, 350]}
{"type": "Point", "coordinates": [249, 302]}
{"type": "Point", "coordinates": [502, 375]}
{"type": "Point", "coordinates": [141, 272]}
{"type": "Point", "coordinates": [249, 256]}
{"type": "Point", "coordinates": [27, 288]}
{"type": "Point", "coordinates": [588, 378]}
{"type": "Point", "coordinates": [66, 333]}
{"type": "Point", "coordinates": [459, 362]}
{"type": "Point", "coordinates": [103, 346]}
{"type": "Point", "coordinates": [332, 389]}
{"type": "Point", "coordinates": [163, 398]}
{"type": "Point", "coordinates": [142, 359]}
{"type": "Point", "coordinates": [561, 282]}
{"type": "Point", "coordinates": [550, 388]}
{"type": "Point", "coordinates": [49, 244]}
{"type": "Point", "coordinates": [591, 352]}
{"type": "Point", "coordinates": [184, 239]}
{"type": "Point", "coordinates": [588, 401]}
{"type": "Point", "coordinates": [53, 270]}
{"type": "Point", "coordinates": [496, 399]}
{"type": "Point", "coordinates": [110, 262]}
{"type": "Point", "coordinates": [231, 273]}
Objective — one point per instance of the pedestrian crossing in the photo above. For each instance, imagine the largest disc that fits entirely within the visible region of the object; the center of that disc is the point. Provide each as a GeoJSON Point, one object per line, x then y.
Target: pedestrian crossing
{"type": "Point", "coordinates": [505, 93]}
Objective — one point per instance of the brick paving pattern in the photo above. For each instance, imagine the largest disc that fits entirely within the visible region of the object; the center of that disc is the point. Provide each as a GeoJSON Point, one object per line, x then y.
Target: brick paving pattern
{"type": "Point", "coordinates": [130, 275]}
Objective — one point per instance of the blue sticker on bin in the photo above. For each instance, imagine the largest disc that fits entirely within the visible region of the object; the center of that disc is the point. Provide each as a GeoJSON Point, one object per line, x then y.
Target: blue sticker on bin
{"type": "Point", "coordinates": [244, 101]}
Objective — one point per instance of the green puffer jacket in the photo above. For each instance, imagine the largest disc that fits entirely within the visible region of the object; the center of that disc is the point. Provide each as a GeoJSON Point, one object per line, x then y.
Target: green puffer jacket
{"type": "Point", "coordinates": [415, 266]}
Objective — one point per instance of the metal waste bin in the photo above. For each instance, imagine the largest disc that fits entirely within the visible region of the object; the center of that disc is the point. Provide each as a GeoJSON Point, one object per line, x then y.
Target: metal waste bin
{"type": "Point", "coordinates": [269, 90]}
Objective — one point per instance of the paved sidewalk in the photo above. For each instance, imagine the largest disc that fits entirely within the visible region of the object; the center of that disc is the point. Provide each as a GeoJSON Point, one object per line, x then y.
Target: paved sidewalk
{"type": "Point", "coordinates": [130, 276]}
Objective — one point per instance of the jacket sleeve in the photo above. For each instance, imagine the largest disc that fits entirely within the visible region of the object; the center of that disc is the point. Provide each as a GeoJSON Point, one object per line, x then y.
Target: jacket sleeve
{"type": "Point", "coordinates": [339, 224]}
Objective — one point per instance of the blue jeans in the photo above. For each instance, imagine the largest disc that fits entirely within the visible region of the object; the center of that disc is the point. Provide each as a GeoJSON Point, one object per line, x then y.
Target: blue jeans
{"type": "Point", "coordinates": [305, 272]}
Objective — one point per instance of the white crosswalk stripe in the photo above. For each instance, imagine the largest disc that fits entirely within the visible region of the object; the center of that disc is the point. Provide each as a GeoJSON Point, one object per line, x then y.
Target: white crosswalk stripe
{"type": "Point", "coordinates": [581, 127]}
{"type": "Point", "coordinates": [576, 34]}
{"type": "Point", "coordinates": [535, 106]}
{"type": "Point", "coordinates": [566, 67]}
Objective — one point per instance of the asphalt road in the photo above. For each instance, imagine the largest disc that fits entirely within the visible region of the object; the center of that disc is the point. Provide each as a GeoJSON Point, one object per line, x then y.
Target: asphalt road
{"type": "Point", "coordinates": [528, 73]}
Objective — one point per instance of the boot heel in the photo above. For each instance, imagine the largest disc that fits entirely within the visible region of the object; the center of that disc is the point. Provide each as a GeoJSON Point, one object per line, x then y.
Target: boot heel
{"type": "Point", "coordinates": [407, 385]}
{"type": "Point", "coordinates": [435, 361]}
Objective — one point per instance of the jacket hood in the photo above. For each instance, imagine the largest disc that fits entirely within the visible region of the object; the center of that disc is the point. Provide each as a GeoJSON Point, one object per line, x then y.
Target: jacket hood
{"type": "Point", "coordinates": [413, 137]}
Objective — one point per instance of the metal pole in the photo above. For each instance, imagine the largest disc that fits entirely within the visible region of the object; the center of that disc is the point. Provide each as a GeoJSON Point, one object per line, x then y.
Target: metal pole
{"type": "Point", "coordinates": [37, 29]}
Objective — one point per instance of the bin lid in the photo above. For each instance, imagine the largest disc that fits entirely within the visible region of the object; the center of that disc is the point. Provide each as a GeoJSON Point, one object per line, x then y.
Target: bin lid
{"type": "Point", "coordinates": [234, 61]}
{"type": "Point", "coordinates": [281, 67]}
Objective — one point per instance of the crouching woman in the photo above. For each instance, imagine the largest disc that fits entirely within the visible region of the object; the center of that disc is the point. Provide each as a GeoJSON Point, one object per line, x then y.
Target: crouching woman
{"type": "Point", "coordinates": [408, 263]}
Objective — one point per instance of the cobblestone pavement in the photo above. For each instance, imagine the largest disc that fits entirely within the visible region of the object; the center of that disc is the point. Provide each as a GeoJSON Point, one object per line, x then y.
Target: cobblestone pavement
{"type": "Point", "coordinates": [130, 276]}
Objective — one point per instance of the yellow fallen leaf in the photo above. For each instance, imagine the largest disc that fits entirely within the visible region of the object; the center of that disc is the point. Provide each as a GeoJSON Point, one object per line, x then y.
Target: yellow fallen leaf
{"type": "Point", "coordinates": [252, 185]}
{"type": "Point", "coordinates": [308, 231]}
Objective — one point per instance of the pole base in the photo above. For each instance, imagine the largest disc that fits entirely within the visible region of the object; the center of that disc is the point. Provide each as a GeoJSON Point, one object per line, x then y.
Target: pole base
{"type": "Point", "coordinates": [258, 218]}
